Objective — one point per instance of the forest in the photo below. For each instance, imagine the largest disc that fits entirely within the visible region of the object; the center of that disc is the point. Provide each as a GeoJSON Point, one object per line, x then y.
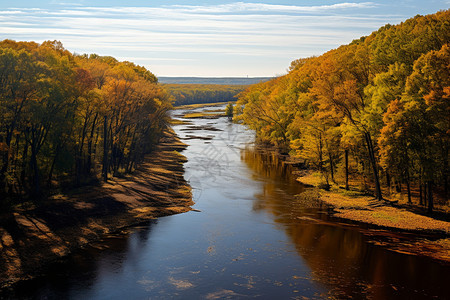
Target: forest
{"type": "Point", "coordinates": [377, 108]}
{"type": "Point", "coordinates": [203, 93]}
{"type": "Point", "coordinates": [70, 119]}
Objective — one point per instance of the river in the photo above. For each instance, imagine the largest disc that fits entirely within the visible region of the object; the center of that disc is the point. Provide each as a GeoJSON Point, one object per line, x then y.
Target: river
{"type": "Point", "coordinates": [249, 237]}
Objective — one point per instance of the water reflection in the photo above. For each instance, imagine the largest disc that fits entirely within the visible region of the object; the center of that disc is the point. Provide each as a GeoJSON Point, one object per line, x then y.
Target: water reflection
{"type": "Point", "coordinates": [86, 269]}
{"type": "Point", "coordinates": [342, 257]}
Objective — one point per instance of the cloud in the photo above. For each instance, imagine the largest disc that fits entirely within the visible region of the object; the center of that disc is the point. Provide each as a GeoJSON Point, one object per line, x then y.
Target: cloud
{"type": "Point", "coordinates": [257, 35]}
{"type": "Point", "coordinates": [62, 3]}
{"type": "Point", "coordinates": [11, 12]}
{"type": "Point", "coordinates": [262, 7]}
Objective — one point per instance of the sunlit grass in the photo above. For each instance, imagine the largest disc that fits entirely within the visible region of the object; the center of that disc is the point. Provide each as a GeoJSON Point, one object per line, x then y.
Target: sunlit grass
{"type": "Point", "coordinates": [179, 122]}
{"type": "Point", "coordinates": [314, 179]}
{"type": "Point", "coordinates": [195, 115]}
{"type": "Point", "coordinates": [346, 201]}
{"type": "Point", "coordinates": [355, 205]}
{"type": "Point", "coordinates": [214, 111]}
{"type": "Point", "coordinates": [203, 114]}
{"type": "Point", "coordinates": [394, 217]}
{"type": "Point", "coordinates": [199, 105]}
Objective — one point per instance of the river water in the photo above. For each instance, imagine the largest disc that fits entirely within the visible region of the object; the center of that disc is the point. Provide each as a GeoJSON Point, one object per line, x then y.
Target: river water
{"type": "Point", "coordinates": [250, 236]}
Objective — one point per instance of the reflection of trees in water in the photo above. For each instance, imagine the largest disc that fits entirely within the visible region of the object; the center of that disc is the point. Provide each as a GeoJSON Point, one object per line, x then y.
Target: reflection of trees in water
{"type": "Point", "coordinates": [277, 179]}
{"type": "Point", "coordinates": [267, 164]}
{"type": "Point", "coordinates": [85, 267]}
{"type": "Point", "coordinates": [342, 258]}
{"type": "Point", "coordinates": [111, 253]}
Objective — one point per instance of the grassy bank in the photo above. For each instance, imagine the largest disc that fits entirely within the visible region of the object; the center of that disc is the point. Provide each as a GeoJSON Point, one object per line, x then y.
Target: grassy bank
{"type": "Point", "coordinates": [355, 206]}
{"type": "Point", "coordinates": [199, 105]}
{"type": "Point", "coordinates": [32, 237]}
{"type": "Point", "coordinates": [213, 113]}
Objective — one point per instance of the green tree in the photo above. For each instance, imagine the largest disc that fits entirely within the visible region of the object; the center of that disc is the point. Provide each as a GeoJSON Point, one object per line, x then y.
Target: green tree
{"type": "Point", "coordinates": [52, 105]}
{"type": "Point", "coordinates": [229, 111]}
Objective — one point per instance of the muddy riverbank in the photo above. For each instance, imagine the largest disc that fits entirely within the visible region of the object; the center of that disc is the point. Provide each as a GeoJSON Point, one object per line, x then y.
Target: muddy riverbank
{"type": "Point", "coordinates": [355, 207]}
{"type": "Point", "coordinates": [34, 237]}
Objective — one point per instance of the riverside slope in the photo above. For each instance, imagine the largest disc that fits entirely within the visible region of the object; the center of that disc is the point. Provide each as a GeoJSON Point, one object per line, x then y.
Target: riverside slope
{"type": "Point", "coordinates": [32, 238]}
{"type": "Point", "coordinates": [354, 206]}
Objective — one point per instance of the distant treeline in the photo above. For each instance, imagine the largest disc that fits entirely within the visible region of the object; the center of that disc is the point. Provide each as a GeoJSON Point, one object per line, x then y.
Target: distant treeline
{"type": "Point", "coordinates": [203, 93]}
{"type": "Point", "coordinates": [382, 102]}
{"type": "Point", "coordinates": [66, 119]}
{"type": "Point", "coordinates": [213, 80]}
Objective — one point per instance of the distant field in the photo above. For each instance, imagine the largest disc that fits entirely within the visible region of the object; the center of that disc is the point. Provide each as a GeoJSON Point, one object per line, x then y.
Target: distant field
{"type": "Point", "coordinates": [213, 80]}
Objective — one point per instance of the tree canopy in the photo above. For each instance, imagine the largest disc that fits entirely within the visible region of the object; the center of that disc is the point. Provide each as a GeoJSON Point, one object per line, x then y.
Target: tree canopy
{"type": "Point", "coordinates": [203, 93]}
{"type": "Point", "coordinates": [66, 117]}
{"type": "Point", "coordinates": [384, 98]}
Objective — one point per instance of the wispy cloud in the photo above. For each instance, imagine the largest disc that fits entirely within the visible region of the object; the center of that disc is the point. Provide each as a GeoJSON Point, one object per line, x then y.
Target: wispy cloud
{"type": "Point", "coordinates": [63, 3]}
{"type": "Point", "coordinates": [224, 39]}
{"type": "Point", "coordinates": [262, 7]}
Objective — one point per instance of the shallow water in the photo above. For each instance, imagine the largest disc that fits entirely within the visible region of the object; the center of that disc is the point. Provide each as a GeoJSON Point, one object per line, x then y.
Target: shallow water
{"type": "Point", "coordinates": [250, 238]}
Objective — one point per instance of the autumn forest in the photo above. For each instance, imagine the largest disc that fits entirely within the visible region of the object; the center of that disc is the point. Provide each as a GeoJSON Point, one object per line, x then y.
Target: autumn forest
{"type": "Point", "coordinates": [330, 181]}
{"type": "Point", "coordinates": [378, 109]}
{"type": "Point", "coordinates": [381, 102]}
{"type": "Point", "coordinates": [70, 119]}
{"type": "Point", "coordinates": [203, 93]}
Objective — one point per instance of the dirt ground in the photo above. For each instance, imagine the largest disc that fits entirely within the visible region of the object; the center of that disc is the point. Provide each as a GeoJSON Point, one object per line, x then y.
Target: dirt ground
{"type": "Point", "coordinates": [32, 238]}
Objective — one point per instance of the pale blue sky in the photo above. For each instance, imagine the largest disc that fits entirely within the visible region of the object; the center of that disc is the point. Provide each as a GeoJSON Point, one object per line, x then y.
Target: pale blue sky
{"type": "Point", "coordinates": [204, 38]}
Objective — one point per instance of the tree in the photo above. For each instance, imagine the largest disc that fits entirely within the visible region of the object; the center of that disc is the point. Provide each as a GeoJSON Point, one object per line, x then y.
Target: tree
{"type": "Point", "coordinates": [382, 100]}
{"type": "Point", "coordinates": [52, 105]}
{"type": "Point", "coordinates": [428, 96]}
{"type": "Point", "coordinates": [229, 111]}
{"type": "Point", "coordinates": [203, 93]}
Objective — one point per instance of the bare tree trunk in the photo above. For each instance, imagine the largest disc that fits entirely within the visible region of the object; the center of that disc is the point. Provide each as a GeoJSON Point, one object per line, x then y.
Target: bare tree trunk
{"type": "Point", "coordinates": [445, 174]}
{"type": "Point", "coordinates": [374, 166]}
{"type": "Point", "coordinates": [425, 194]}
{"type": "Point", "coordinates": [50, 174]}
{"type": "Point", "coordinates": [7, 154]}
{"type": "Point", "coordinates": [105, 149]}
{"type": "Point", "coordinates": [91, 137]}
{"type": "Point", "coordinates": [346, 170]}
{"type": "Point", "coordinates": [24, 160]}
{"type": "Point", "coordinates": [95, 148]}
{"type": "Point", "coordinates": [408, 187]}
{"type": "Point", "coordinates": [331, 166]}
{"type": "Point", "coordinates": [388, 180]}
{"type": "Point", "coordinates": [320, 154]}
{"type": "Point", "coordinates": [430, 196]}
{"type": "Point", "coordinates": [364, 175]}
{"type": "Point", "coordinates": [398, 186]}
{"type": "Point", "coordinates": [420, 193]}
{"type": "Point", "coordinates": [36, 191]}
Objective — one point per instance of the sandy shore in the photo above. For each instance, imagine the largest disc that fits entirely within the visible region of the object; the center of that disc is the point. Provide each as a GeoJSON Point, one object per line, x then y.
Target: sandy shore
{"type": "Point", "coordinates": [32, 238]}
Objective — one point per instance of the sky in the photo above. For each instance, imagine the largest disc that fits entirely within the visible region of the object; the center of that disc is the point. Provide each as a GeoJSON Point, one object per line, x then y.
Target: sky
{"type": "Point", "coordinates": [205, 38]}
